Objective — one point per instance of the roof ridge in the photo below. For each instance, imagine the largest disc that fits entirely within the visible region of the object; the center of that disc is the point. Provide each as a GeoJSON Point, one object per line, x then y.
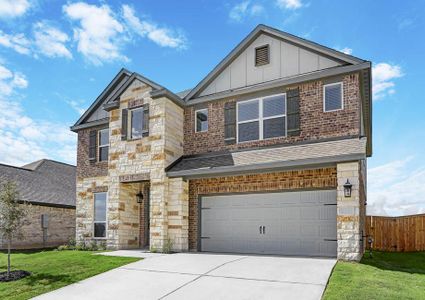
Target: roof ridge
{"type": "Point", "coordinates": [15, 167]}
{"type": "Point", "coordinates": [59, 162]}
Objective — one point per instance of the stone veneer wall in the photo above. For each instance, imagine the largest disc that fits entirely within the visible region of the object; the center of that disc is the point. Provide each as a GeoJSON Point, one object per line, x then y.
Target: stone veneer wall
{"type": "Point", "coordinates": [350, 211]}
{"type": "Point", "coordinates": [86, 187]}
{"type": "Point", "coordinates": [148, 156]}
{"type": "Point", "coordinates": [61, 227]}
{"type": "Point", "coordinates": [315, 123]}
{"type": "Point", "coordinates": [278, 181]}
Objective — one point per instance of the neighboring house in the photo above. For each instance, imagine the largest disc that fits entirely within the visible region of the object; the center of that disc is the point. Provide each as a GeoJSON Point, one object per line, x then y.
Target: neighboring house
{"type": "Point", "coordinates": [49, 187]}
{"type": "Point", "coordinates": [252, 160]}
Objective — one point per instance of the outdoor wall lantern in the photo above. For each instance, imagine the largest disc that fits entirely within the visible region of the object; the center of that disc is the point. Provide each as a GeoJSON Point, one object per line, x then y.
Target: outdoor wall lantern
{"type": "Point", "coordinates": [139, 197]}
{"type": "Point", "coordinates": [347, 189]}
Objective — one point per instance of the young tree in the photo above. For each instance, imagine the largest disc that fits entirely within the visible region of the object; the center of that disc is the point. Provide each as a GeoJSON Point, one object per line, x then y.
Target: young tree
{"type": "Point", "coordinates": [12, 216]}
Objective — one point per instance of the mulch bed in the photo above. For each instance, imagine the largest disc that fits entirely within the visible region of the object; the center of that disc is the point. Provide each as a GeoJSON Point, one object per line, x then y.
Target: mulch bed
{"type": "Point", "coordinates": [14, 275]}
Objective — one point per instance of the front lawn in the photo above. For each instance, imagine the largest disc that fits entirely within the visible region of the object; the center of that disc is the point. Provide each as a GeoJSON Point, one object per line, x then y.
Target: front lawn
{"type": "Point", "coordinates": [387, 275]}
{"type": "Point", "coordinates": [54, 269]}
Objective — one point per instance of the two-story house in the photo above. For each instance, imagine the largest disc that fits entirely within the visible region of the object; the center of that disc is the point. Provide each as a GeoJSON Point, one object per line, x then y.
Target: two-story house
{"type": "Point", "coordinates": [267, 154]}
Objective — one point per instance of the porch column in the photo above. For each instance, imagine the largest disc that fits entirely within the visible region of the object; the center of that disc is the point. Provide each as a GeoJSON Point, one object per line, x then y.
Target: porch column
{"type": "Point", "coordinates": [178, 214]}
{"type": "Point", "coordinates": [348, 213]}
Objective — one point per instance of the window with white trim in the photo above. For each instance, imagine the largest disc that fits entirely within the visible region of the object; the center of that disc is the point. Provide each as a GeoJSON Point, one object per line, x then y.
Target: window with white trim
{"type": "Point", "coordinates": [333, 97]}
{"type": "Point", "coordinates": [262, 118]}
{"type": "Point", "coordinates": [99, 222]}
{"type": "Point", "coordinates": [201, 120]}
{"type": "Point", "coordinates": [103, 145]}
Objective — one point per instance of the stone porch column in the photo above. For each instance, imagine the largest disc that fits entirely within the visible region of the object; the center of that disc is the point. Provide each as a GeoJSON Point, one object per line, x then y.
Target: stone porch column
{"type": "Point", "coordinates": [158, 210]}
{"type": "Point", "coordinates": [178, 214]}
{"type": "Point", "coordinates": [348, 213]}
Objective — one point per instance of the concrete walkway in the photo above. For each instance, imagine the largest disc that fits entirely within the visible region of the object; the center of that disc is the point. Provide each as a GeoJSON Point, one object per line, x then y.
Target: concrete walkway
{"type": "Point", "coordinates": [204, 276]}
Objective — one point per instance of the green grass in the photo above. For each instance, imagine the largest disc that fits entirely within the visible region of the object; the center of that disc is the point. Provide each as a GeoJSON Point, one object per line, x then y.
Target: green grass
{"type": "Point", "coordinates": [53, 269]}
{"type": "Point", "coordinates": [386, 275]}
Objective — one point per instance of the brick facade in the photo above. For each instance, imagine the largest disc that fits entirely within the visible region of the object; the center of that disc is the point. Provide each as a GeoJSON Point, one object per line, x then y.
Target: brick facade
{"type": "Point", "coordinates": [267, 182]}
{"type": "Point", "coordinates": [315, 123]}
{"type": "Point", "coordinates": [61, 227]}
{"type": "Point", "coordinates": [85, 167]}
{"type": "Point", "coordinates": [173, 202]}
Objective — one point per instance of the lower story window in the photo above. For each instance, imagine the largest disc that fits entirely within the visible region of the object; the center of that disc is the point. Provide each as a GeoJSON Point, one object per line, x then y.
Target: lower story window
{"type": "Point", "coordinates": [100, 215]}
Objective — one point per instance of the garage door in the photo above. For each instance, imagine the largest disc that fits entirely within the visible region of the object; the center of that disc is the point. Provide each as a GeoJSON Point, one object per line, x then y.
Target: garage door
{"type": "Point", "coordinates": [290, 223]}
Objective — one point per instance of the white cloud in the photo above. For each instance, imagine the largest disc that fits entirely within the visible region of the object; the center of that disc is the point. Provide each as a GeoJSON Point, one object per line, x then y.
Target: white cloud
{"type": "Point", "coordinates": [17, 42]}
{"type": "Point", "coordinates": [77, 106]}
{"type": "Point", "coordinates": [50, 41]}
{"type": "Point", "coordinates": [162, 36]}
{"type": "Point", "coordinates": [289, 4]}
{"type": "Point", "coordinates": [346, 50]}
{"type": "Point", "coordinates": [13, 8]}
{"type": "Point", "coordinates": [99, 34]}
{"type": "Point", "coordinates": [9, 81]}
{"type": "Point", "coordinates": [244, 9]}
{"type": "Point", "coordinates": [24, 139]}
{"type": "Point", "coordinates": [47, 41]}
{"type": "Point", "coordinates": [395, 189]}
{"type": "Point", "coordinates": [383, 75]}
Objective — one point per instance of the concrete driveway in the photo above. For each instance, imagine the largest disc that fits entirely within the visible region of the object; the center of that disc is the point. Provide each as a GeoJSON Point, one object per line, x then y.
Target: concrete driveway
{"type": "Point", "coordinates": [205, 276]}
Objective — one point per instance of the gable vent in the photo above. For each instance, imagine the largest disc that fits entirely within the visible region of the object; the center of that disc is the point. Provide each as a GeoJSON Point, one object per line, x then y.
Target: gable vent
{"type": "Point", "coordinates": [262, 55]}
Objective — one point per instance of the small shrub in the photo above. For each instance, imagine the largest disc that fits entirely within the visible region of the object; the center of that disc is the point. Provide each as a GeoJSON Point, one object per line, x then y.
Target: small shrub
{"type": "Point", "coordinates": [92, 246]}
{"type": "Point", "coordinates": [81, 246]}
{"type": "Point", "coordinates": [101, 246]}
{"type": "Point", "coordinates": [63, 247]}
{"type": "Point", "coordinates": [153, 249]}
{"type": "Point", "coordinates": [71, 242]}
{"type": "Point", "coordinates": [168, 246]}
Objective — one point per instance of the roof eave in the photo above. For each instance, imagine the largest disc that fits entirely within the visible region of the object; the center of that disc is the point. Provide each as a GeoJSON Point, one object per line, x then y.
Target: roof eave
{"type": "Point", "coordinates": [265, 167]}
{"type": "Point", "coordinates": [99, 99]}
{"type": "Point", "coordinates": [100, 122]}
{"type": "Point", "coordinates": [168, 94]}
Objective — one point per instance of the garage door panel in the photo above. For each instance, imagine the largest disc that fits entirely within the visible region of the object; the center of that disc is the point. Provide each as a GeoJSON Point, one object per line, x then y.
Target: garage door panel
{"type": "Point", "coordinates": [291, 213]}
{"type": "Point", "coordinates": [310, 213]}
{"type": "Point", "coordinates": [327, 231]}
{"type": "Point", "coordinates": [309, 230]}
{"type": "Point", "coordinates": [327, 211]}
{"type": "Point", "coordinates": [296, 223]}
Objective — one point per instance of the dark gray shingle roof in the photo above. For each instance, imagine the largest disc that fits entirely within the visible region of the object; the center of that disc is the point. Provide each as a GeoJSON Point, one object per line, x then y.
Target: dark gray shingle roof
{"type": "Point", "coordinates": [44, 181]}
{"type": "Point", "coordinates": [269, 157]}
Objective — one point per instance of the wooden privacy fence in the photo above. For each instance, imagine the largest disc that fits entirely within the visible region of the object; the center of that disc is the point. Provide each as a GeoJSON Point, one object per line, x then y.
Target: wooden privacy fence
{"type": "Point", "coordinates": [399, 234]}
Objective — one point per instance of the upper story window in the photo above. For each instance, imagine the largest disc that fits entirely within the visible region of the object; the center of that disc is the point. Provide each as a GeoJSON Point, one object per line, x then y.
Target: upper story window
{"type": "Point", "coordinates": [333, 97]}
{"type": "Point", "coordinates": [262, 118]}
{"type": "Point", "coordinates": [136, 123]}
{"type": "Point", "coordinates": [262, 55]}
{"type": "Point", "coordinates": [103, 145]}
{"type": "Point", "coordinates": [201, 120]}
{"type": "Point", "coordinates": [99, 221]}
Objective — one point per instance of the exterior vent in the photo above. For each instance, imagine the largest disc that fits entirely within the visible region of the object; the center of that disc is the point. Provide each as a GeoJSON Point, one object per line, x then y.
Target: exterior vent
{"type": "Point", "coordinates": [262, 55]}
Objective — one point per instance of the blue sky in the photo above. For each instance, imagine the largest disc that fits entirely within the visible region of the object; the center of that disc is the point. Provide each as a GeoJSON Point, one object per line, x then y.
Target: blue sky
{"type": "Point", "coordinates": [57, 56]}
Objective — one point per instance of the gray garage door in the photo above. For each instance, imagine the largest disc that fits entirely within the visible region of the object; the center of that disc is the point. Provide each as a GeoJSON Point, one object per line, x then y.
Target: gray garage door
{"type": "Point", "coordinates": [291, 223]}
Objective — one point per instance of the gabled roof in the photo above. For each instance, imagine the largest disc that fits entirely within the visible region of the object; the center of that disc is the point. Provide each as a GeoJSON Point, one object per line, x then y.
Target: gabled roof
{"type": "Point", "coordinates": [44, 182]}
{"type": "Point", "coordinates": [113, 102]}
{"type": "Point", "coordinates": [345, 58]}
{"type": "Point", "coordinates": [122, 74]}
{"type": "Point", "coordinates": [108, 99]}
